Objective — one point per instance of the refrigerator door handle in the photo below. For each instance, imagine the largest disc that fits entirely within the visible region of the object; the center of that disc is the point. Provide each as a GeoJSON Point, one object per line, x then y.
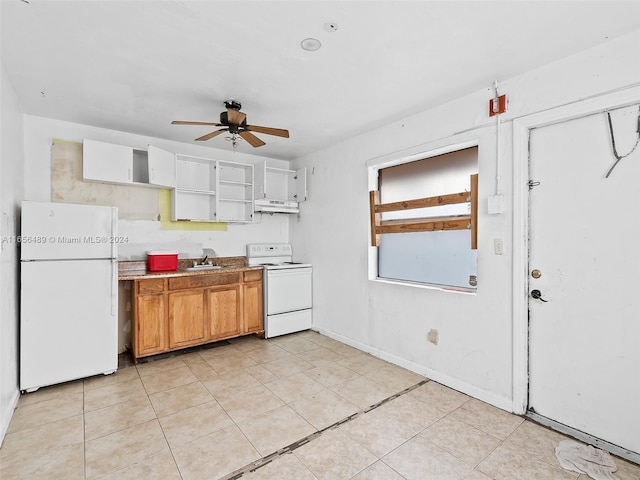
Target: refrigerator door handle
{"type": "Point", "coordinates": [114, 261]}
{"type": "Point", "coordinates": [114, 286]}
{"type": "Point", "coordinates": [114, 233]}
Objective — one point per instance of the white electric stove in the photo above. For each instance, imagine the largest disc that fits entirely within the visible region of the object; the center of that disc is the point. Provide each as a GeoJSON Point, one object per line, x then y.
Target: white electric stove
{"type": "Point", "coordinates": [287, 288]}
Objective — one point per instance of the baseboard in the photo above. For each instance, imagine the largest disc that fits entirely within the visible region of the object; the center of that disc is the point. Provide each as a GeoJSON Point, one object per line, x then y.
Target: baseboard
{"type": "Point", "coordinates": [446, 380]}
{"type": "Point", "coordinates": [8, 414]}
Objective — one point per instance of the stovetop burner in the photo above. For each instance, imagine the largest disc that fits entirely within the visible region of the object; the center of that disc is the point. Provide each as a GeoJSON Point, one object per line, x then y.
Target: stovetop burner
{"type": "Point", "coordinates": [272, 256]}
{"type": "Point", "coordinates": [280, 264]}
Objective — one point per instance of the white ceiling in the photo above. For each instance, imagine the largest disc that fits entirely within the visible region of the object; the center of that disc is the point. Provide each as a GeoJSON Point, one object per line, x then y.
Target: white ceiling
{"type": "Point", "coordinates": [136, 65]}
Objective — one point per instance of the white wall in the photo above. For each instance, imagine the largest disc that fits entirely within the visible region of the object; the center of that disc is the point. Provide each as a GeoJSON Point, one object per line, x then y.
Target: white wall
{"type": "Point", "coordinates": [146, 235]}
{"type": "Point", "coordinates": [11, 191]}
{"type": "Point", "coordinates": [475, 350]}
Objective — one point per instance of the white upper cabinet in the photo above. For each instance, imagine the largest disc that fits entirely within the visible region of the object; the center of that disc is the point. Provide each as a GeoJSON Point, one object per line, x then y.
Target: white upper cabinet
{"type": "Point", "coordinates": [300, 189]}
{"type": "Point", "coordinates": [162, 167]}
{"type": "Point", "coordinates": [106, 162]}
{"type": "Point", "coordinates": [210, 190]}
{"type": "Point", "coordinates": [235, 192]}
{"type": "Point", "coordinates": [279, 190]}
{"type": "Point", "coordinates": [111, 163]}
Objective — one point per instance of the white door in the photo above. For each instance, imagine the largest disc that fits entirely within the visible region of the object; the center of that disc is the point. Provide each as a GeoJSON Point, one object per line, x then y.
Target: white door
{"type": "Point", "coordinates": [107, 162]}
{"type": "Point", "coordinates": [55, 231]}
{"type": "Point", "coordinates": [68, 321]}
{"type": "Point", "coordinates": [162, 167]}
{"type": "Point", "coordinates": [584, 339]}
{"type": "Point", "coordinates": [298, 187]}
{"type": "Point", "coordinates": [288, 289]}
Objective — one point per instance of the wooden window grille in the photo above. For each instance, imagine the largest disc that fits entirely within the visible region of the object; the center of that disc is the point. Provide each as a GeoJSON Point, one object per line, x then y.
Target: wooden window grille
{"type": "Point", "coordinates": [426, 224]}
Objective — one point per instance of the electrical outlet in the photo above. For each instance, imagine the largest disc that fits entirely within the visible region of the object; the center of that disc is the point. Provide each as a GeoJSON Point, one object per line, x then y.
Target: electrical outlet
{"type": "Point", "coordinates": [498, 246]}
{"type": "Point", "coordinates": [432, 336]}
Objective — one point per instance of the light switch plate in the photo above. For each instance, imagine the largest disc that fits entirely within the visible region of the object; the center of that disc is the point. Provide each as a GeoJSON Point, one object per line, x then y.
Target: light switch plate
{"type": "Point", "coordinates": [495, 204]}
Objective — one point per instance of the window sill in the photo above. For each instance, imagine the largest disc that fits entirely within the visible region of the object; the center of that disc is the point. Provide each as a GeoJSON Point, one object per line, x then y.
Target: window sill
{"type": "Point", "coordinates": [427, 286]}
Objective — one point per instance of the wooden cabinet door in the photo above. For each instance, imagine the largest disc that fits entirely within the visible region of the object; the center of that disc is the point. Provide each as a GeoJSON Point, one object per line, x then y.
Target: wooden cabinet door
{"type": "Point", "coordinates": [186, 318]}
{"type": "Point", "coordinates": [252, 298]}
{"type": "Point", "coordinates": [151, 325]}
{"type": "Point", "coordinates": [224, 311]}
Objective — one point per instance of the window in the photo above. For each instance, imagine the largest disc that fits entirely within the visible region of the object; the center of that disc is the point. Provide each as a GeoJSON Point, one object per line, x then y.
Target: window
{"type": "Point", "coordinates": [423, 220]}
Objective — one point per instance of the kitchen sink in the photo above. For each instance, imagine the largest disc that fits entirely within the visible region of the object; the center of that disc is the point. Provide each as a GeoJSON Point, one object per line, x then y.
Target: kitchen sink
{"type": "Point", "coordinates": [197, 268]}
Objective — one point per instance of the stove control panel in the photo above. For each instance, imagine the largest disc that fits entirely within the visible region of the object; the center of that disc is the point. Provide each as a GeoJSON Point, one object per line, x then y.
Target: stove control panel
{"type": "Point", "coordinates": [268, 249]}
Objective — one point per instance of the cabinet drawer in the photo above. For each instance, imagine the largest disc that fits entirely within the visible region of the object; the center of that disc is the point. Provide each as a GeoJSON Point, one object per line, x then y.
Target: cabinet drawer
{"type": "Point", "coordinates": [253, 276]}
{"type": "Point", "coordinates": [195, 281]}
{"type": "Point", "coordinates": [153, 285]}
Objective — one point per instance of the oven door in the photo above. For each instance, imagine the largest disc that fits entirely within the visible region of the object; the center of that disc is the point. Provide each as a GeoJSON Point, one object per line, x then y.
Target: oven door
{"type": "Point", "coordinates": [288, 290]}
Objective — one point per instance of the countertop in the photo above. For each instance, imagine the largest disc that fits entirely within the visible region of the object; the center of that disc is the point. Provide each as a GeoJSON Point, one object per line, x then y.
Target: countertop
{"type": "Point", "coordinates": [137, 269]}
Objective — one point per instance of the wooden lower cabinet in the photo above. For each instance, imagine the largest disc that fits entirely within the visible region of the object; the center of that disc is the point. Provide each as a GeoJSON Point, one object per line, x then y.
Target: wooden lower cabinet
{"type": "Point", "coordinates": [224, 311]}
{"type": "Point", "coordinates": [186, 318]}
{"type": "Point", "coordinates": [179, 312]}
{"type": "Point", "coordinates": [252, 300]}
{"type": "Point", "coordinates": [150, 332]}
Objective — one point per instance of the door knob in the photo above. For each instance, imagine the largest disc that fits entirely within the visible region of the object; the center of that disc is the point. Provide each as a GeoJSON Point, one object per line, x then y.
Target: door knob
{"type": "Point", "coordinates": [537, 295]}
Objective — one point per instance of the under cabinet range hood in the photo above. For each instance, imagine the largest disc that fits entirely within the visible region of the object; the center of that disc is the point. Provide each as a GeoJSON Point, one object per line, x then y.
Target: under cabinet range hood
{"type": "Point", "coordinates": [279, 190]}
{"type": "Point", "coordinates": [276, 206]}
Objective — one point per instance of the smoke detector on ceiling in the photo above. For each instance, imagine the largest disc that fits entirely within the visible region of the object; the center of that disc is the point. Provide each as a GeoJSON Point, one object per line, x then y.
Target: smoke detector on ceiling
{"type": "Point", "coordinates": [310, 44]}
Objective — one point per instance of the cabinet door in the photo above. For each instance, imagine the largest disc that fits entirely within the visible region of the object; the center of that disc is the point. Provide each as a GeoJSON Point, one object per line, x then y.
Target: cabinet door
{"type": "Point", "coordinates": [106, 162]}
{"type": "Point", "coordinates": [260, 180]}
{"type": "Point", "coordinates": [224, 311]}
{"type": "Point", "coordinates": [298, 186]}
{"type": "Point", "coordinates": [162, 167]}
{"type": "Point", "coordinates": [252, 307]}
{"type": "Point", "coordinates": [150, 325]}
{"type": "Point", "coordinates": [186, 318]}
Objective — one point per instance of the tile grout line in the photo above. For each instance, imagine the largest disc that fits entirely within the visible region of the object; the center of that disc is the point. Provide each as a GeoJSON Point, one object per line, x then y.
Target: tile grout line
{"type": "Point", "coordinates": [255, 465]}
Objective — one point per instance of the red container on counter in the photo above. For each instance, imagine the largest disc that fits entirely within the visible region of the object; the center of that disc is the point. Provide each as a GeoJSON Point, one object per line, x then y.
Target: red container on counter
{"type": "Point", "coordinates": [162, 261]}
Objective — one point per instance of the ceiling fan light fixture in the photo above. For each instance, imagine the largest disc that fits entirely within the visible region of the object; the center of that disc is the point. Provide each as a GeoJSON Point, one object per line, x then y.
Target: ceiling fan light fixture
{"type": "Point", "coordinates": [234, 139]}
{"type": "Point", "coordinates": [310, 44]}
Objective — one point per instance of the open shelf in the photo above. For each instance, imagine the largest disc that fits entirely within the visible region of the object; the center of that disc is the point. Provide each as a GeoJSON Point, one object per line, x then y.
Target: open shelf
{"type": "Point", "coordinates": [213, 190]}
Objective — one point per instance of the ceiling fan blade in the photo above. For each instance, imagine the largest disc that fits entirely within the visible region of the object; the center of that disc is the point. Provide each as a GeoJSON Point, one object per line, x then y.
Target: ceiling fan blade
{"type": "Point", "coordinates": [235, 116]}
{"type": "Point", "coordinates": [278, 132]}
{"type": "Point", "coordinates": [186, 122]}
{"type": "Point", "coordinates": [211, 135]}
{"type": "Point", "coordinates": [251, 139]}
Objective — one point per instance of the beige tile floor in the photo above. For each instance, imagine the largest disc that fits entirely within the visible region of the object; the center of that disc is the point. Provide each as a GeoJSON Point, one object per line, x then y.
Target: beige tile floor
{"type": "Point", "coordinates": [212, 412]}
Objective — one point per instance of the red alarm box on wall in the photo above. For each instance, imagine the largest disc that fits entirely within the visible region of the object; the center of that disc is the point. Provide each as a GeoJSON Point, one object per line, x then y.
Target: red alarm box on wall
{"type": "Point", "coordinates": [162, 261]}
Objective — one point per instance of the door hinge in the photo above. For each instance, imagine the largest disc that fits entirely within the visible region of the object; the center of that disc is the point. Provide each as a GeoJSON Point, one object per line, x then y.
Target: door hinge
{"type": "Point", "coordinates": [532, 184]}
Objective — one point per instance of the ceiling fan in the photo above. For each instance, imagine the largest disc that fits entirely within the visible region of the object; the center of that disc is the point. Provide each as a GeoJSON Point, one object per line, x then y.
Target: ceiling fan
{"type": "Point", "coordinates": [235, 122]}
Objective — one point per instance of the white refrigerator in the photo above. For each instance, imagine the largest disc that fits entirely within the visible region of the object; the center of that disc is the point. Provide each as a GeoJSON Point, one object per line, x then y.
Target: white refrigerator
{"type": "Point", "coordinates": [68, 293]}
